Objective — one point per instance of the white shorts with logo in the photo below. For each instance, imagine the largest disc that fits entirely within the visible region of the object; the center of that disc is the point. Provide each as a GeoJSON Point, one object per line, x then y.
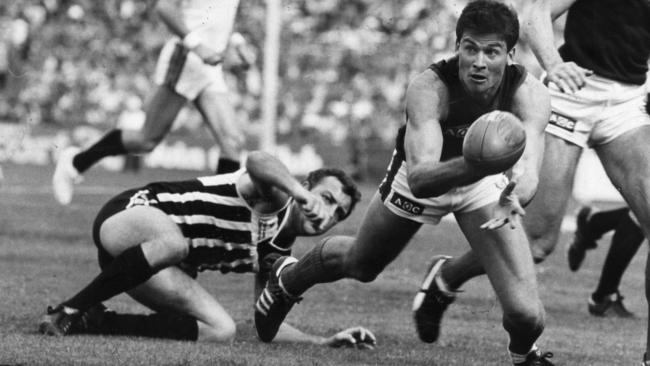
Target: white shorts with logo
{"type": "Point", "coordinates": [598, 113]}
{"type": "Point", "coordinates": [185, 72]}
{"type": "Point", "coordinates": [401, 201]}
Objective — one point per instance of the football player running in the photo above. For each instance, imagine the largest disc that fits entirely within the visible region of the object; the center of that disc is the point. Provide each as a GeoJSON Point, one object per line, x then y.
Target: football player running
{"type": "Point", "coordinates": [598, 85]}
{"type": "Point", "coordinates": [153, 241]}
{"type": "Point", "coordinates": [428, 178]}
{"type": "Point", "coordinates": [189, 68]}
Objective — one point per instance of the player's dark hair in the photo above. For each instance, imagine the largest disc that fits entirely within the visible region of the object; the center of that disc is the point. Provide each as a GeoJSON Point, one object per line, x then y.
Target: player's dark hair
{"type": "Point", "coordinates": [349, 187]}
{"type": "Point", "coordinates": [489, 16]}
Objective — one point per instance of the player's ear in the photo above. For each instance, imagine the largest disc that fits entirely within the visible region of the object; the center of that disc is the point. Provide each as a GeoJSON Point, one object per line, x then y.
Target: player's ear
{"type": "Point", "coordinates": [511, 54]}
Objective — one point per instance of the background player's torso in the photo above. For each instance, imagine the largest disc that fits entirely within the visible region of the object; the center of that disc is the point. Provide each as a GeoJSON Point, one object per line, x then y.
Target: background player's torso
{"type": "Point", "coordinates": [610, 37]}
{"type": "Point", "coordinates": [212, 20]}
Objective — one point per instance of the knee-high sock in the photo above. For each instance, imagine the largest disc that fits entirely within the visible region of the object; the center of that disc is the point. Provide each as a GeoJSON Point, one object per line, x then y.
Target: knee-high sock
{"type": "Point", "coordinates": [625, 243]}
{"type": "Point", "coordinates": [156, 325]}
{"type": "Point", "coordinates": [603, 221]}
{"type": "Point", "coordinates": [110, 144]}
{"type": "Point", "coordinates": [126, 271]}
{"type": "Point", "coordinates": [310, 270]}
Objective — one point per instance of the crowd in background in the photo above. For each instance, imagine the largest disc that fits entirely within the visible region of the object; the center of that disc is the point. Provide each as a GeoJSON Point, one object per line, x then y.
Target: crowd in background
{"type": "Point", "coordinates": [344, 65]}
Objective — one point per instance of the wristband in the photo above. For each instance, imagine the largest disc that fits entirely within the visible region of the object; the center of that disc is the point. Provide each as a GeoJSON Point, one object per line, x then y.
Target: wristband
{"type": "Point", "coordinates": [191, 40]}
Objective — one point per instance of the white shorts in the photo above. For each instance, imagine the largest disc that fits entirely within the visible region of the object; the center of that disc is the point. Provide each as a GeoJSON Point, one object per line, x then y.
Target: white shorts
{"type": "Point", "coordinates": [400, 201]}
{"type": "Point", "coordinates": [598, 113]}
{"type": "Point", "coordinates": [184, 72]}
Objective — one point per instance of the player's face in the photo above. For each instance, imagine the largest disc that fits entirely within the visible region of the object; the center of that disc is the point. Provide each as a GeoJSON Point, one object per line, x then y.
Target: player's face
{"type": "Point", "coordinates": [482, 60]}
{"type": "Point", "coordinates": [330, 189]}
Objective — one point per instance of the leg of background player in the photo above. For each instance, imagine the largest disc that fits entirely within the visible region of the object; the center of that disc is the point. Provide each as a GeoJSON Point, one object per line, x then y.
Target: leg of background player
{"type": "Point", "coordinates": [160, 114]}
{"type": "Point", "coordinates": [625, 243]}
{"type": "Point", "coordinates": [220, 117]}
{"type": "Point", "coordinates": [626, 160]}
{"type": "Point", "coordinates": [589, 228]}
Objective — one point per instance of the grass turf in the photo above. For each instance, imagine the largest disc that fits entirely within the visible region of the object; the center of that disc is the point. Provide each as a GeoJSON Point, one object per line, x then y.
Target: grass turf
{"type": "Point", "coordinates": [46, 255]}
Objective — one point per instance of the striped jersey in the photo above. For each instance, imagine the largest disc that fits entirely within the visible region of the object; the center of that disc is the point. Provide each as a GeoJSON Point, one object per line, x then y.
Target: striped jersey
{"type": "Point", "coordinates": [224, 233]}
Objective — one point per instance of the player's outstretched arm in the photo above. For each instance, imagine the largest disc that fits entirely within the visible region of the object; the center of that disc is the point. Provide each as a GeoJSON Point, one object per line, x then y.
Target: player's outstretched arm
{"type": "Point", "coordinates": [426, 103]}
{"type": "Point", "coordinates": [532, 105]}
{"type": "Point", "coordinates": [274, 183]}
{"type": "Point", "coordinates": [357, 337]}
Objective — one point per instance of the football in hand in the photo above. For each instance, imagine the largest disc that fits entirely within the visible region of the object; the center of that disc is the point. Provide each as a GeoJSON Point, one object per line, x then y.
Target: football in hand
{"type": "Point", "coordinates": [494, 142]}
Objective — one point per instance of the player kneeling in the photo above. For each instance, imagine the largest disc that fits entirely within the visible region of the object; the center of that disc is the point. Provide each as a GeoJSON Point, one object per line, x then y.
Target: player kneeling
{"type": "Point", "coordinates": [153, 241]}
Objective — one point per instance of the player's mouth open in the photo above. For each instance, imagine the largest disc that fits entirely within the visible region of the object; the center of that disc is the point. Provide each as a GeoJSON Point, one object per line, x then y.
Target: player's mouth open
{"type": "Point", "coordinates": [478, 78]}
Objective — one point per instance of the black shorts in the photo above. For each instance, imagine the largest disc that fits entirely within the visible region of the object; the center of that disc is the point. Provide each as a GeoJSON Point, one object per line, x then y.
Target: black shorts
{"type": "Point", "coordinates": [116, 204]}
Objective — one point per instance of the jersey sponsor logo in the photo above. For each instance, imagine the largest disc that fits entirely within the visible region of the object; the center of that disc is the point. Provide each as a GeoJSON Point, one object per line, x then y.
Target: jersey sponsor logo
{"type": "Point", "coordinates": [141, 198]}
{"type": "Point", "coordinates": [562, 122]}
{"type": "Point", "coordinates": [406, 204]}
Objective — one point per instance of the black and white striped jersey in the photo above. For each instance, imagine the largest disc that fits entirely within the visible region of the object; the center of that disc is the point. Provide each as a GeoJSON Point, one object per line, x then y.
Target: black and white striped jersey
{"type": "Point", "coordinates": [222, 230]}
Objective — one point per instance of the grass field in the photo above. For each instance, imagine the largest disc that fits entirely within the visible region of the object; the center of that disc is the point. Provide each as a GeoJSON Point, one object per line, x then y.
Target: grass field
{"type": "Point", "coordinates": [46, 255]}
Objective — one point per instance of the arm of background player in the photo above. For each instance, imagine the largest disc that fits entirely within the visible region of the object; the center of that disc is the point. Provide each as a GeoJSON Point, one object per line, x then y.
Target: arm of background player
{"type": "Point", "coordinates": [426, 101]}
{"type": "Point", "coordinates": [358, 337]}
{"type": "Point", "coordinates": [537, 30]}
{"type": "Point", "coordinates": [169, 12]}
{"type": "Point", "coordinates": [532, 105]}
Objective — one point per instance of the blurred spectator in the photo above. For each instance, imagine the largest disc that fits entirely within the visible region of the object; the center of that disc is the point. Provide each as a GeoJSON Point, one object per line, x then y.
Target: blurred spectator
{"type": "Point", "coordinates": [15, 39]}
{"type": "Point", "coordinates": [87, 58]}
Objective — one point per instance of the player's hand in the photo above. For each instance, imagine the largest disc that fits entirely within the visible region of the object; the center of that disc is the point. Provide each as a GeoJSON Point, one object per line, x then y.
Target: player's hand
{"type": "Point", "coordinates": [357, 337]}
{"type": "Point", "coordinates": [314, 209]}
{"type": "Point", "coordinates": [507, 211]}
{"type": "Point", "coordinates": [208, 55]}
{"type": "Point", "coordinates": [568, 76]}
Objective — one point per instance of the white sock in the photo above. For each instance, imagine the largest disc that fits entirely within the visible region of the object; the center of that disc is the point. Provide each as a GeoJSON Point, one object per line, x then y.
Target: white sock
{"type": "Point", "coordinates": [519, 358]}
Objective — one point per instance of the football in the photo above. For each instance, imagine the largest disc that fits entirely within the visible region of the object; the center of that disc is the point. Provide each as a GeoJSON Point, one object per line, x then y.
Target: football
{"type": "Point", "coordinates": [494, 142]}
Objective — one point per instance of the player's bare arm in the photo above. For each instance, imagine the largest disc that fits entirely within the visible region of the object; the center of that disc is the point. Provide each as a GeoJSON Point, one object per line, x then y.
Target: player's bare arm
{"type": "Point", "coordinates": [169, 12]}
{"type": "Point", "coordinates": [426, 103]}
{"type": "Point", "coordinates": [537, 29]}
{"type": "Point", "coordinates": [273, 184]}
{"type": "Point", "coordinates": [531, 103]}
